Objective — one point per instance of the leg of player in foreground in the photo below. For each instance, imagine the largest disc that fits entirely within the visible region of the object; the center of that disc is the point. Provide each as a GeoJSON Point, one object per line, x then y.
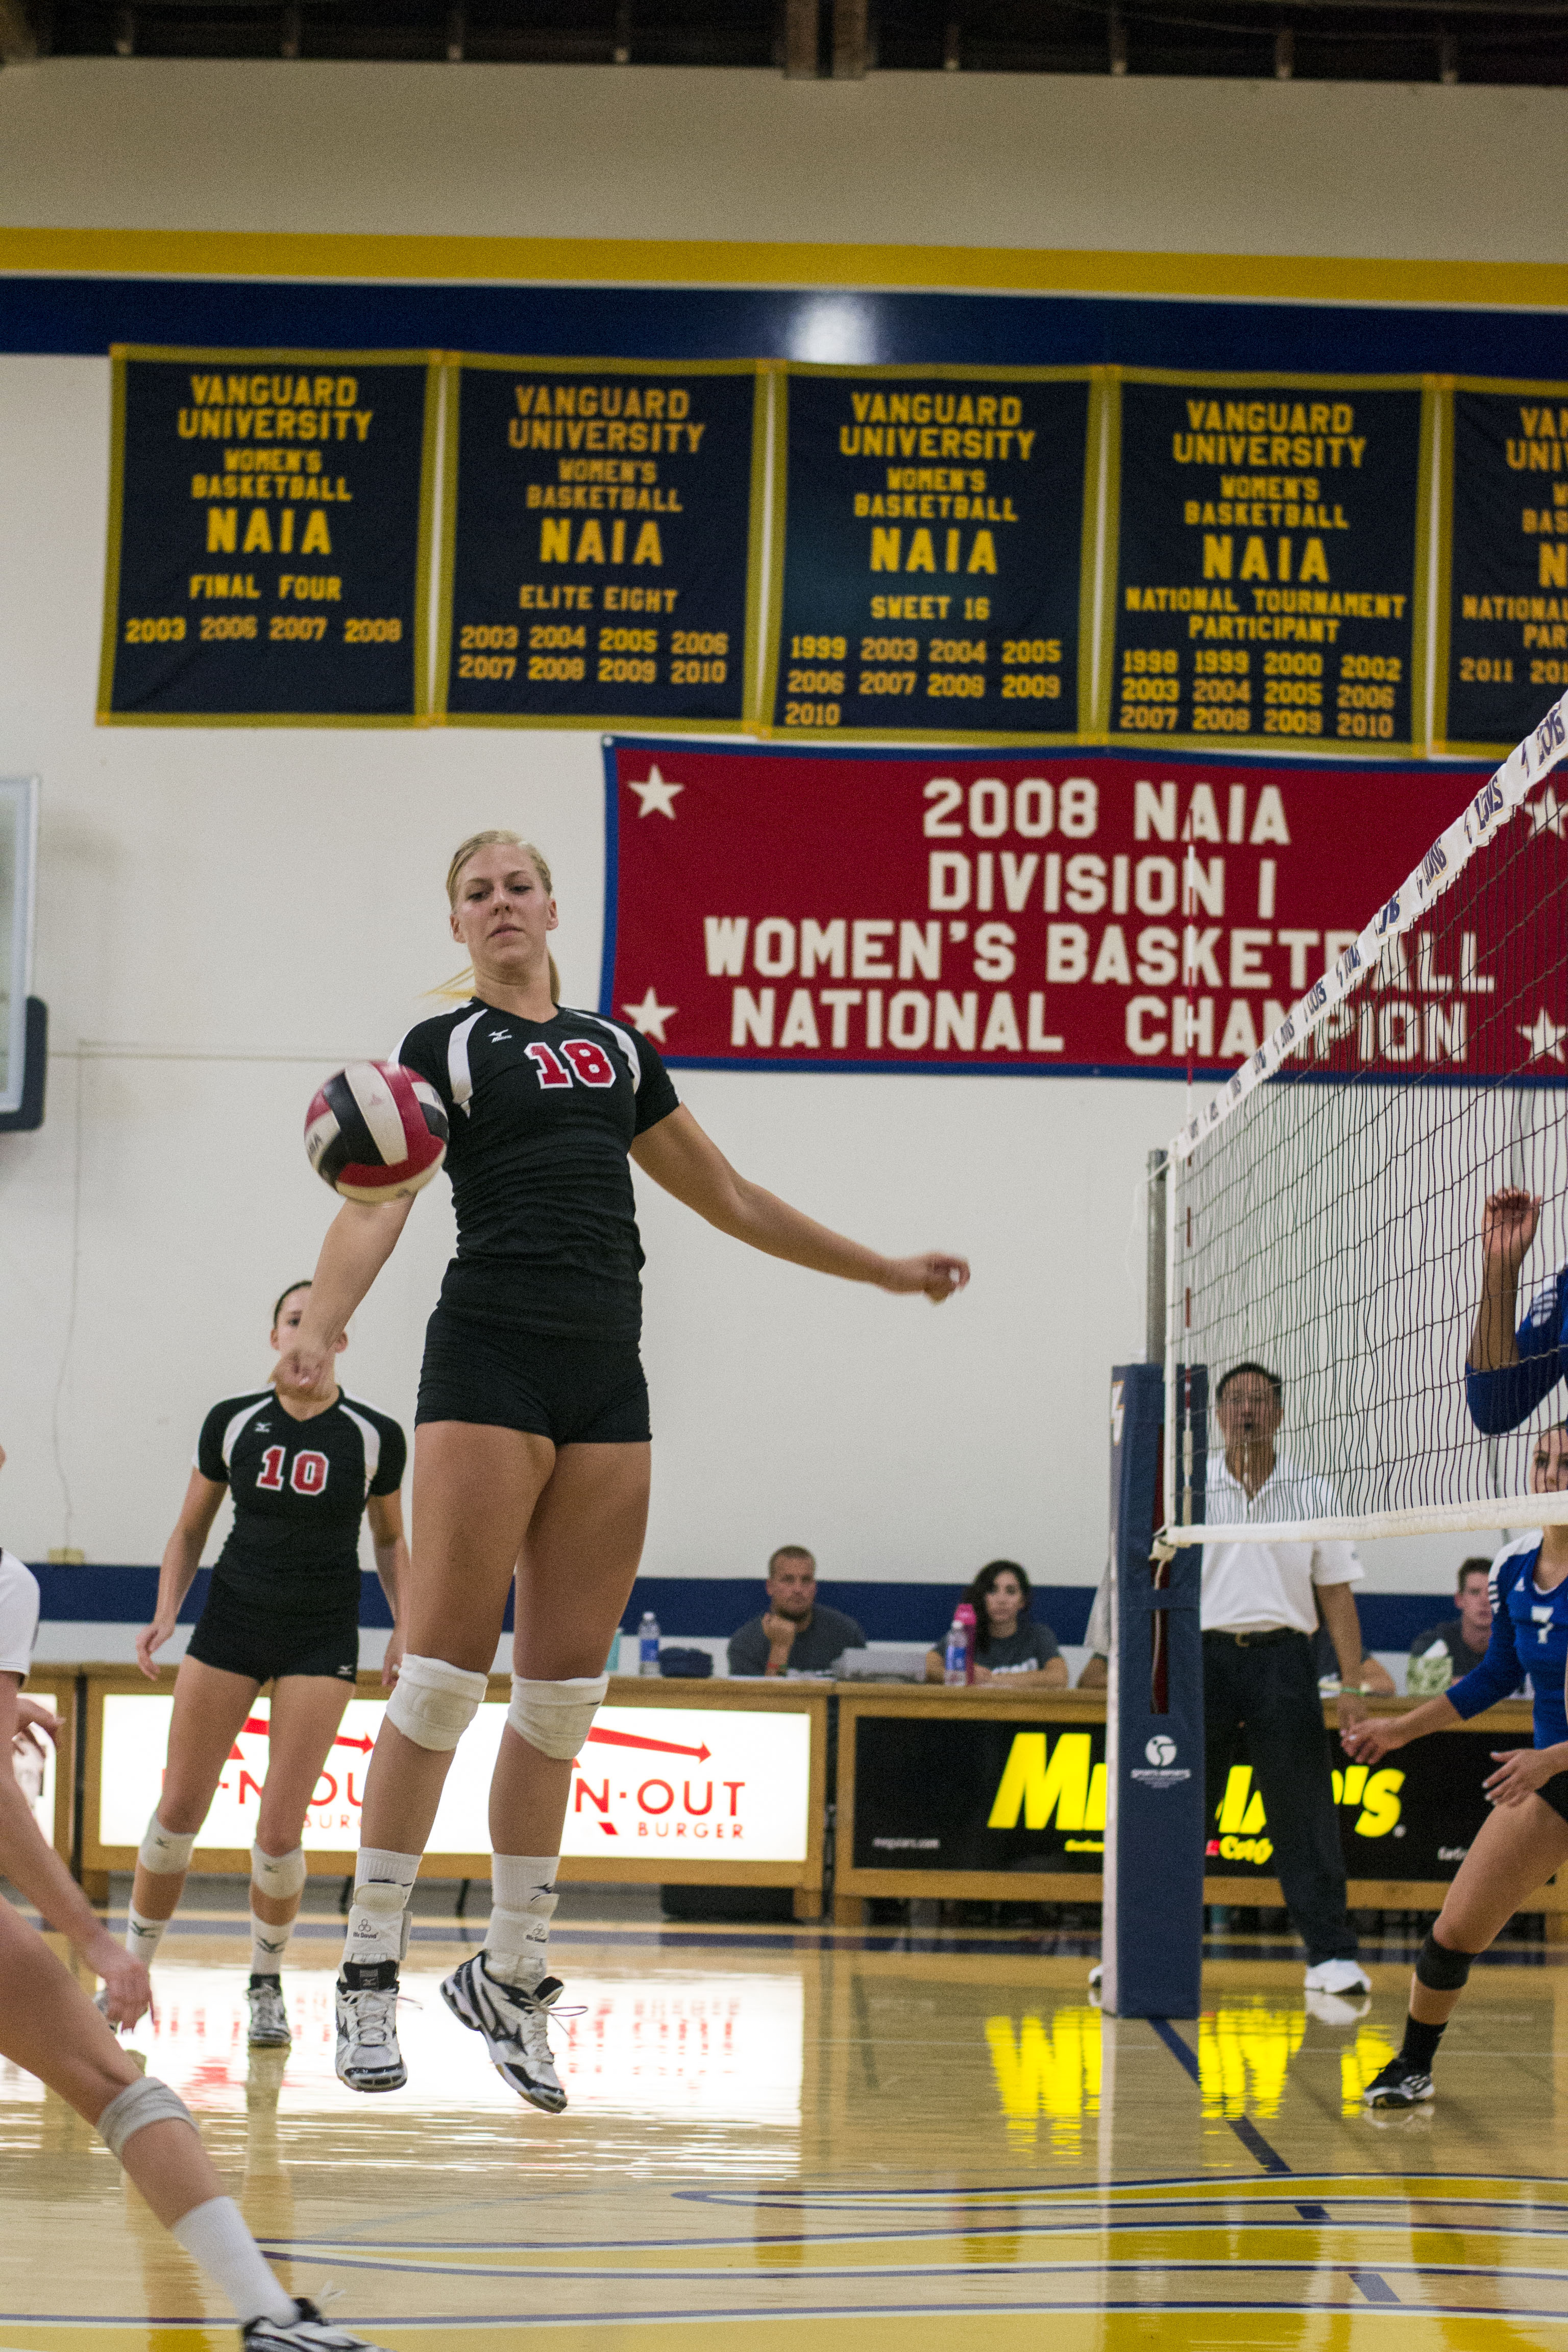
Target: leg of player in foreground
{"type": "Point", "coordinates": [49, 2026]}
{"type": "Point", "coordinates": [1516, 1851]}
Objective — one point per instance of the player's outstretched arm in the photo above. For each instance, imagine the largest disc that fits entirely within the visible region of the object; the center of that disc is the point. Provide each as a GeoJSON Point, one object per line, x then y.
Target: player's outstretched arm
{"type": "Point", "coordinates": [678, 1156]}
{"type": "Point", "coordinates": [1508, 1228]}
{"type": "Point", "coordinates": [34, 1867]}
{"type": "Point", "coordinates": [359, 1241]}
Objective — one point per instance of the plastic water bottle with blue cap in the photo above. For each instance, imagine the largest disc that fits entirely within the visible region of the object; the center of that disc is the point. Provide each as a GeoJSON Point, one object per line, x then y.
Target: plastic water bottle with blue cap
{"type": "Point", "coordinates": [647, 1643]}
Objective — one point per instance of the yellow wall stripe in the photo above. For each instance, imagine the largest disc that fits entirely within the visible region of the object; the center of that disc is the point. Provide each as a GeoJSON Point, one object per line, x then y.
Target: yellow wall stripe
{"type": "Point", "coordinates": [631, 261]}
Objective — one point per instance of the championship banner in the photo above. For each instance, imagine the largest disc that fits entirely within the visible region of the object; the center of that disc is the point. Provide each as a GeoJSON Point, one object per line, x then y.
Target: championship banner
{"type": "Point", "coordinates": [1503, 619]}
{"type": "Point", "coordinates": [1094, 914]}
{"type": "Point", "coordinates": [602, 556]}
{"type": "Point", "coordinates": [937, 554]}
{"type": "Point", "coordinates": [1270, 559]}
{"type": "Point", "coordinates": [269, 539]}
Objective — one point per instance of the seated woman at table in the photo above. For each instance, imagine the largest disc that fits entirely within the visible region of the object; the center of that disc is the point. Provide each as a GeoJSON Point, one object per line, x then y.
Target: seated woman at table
{"type": "Point", "coordinates": [1009, 1647]}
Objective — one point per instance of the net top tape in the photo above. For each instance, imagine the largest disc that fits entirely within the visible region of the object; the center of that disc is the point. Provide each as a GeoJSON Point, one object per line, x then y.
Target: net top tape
{"type": "Point", "coordinates": [1526, 767]}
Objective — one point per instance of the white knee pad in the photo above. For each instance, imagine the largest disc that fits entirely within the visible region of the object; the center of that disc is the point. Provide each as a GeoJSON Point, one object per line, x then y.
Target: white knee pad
{"type": "Point", "coordinates": [434, 1703]}
{"type": "Point", "coordinates": [141, 2103]}
{"type": "Point", "coordinates": [278, 1874]}
{"type": "Point", "coordinates": [165, 1852]}
{"type": "Point", "coordinates": [556, 1717]}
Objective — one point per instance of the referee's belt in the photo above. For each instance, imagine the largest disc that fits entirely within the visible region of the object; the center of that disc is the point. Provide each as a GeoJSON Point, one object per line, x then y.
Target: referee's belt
{"type": "Point", "coordinates": [1254, 1641]}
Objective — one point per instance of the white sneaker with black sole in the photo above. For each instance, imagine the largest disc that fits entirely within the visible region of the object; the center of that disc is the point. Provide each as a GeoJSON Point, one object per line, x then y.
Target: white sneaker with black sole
{"type": "Point", "coordinates": [368, 2057]}
{"type": "Point", "coordinates": [306, 2332]}
{"type": "Point", "coordinates": [1398, 2085]}
{"type": "Point", "coordinates": [516, 2029]}
{"type": "Point", "coordinates": [268, 2018]}
{"type": "Point", "coordinates": [1338, 1976]}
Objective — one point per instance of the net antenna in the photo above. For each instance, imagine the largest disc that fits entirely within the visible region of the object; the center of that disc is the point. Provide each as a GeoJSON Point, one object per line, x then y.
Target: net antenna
{"type": "Point", "coordinates": [1324, 1211]}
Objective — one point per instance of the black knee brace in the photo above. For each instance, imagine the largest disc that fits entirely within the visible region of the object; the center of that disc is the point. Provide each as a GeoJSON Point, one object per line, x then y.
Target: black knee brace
{"type": "Point", "coordinates": [1438, 1968]}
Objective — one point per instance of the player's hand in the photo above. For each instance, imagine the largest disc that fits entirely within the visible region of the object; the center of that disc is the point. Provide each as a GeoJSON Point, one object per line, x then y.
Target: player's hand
{"type": "Point", "coordinates": [390, 1665]}
{"type": "Point", "coordinates": [125, 1981]}
{"type": "Point", "coordinates": [1373, 1737]}
{"type": "Point", "coordinates": [933, 1271]}
{"type": "Point", "coordinates": [33, 1717]}
{"type": "Point", "coordinates": [304, 1368]}
{"type": "Point", "coordinates": [1351, 1708]}
{"type": "Point", "coordinates": [1521, 1772]}
{"type": "Point", "coordinates": [1508, 1227]}
{"type": "Point", "coordinates": [153, 1637]}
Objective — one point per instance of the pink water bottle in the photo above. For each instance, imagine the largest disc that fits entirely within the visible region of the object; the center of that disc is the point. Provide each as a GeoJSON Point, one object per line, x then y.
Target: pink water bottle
{"type": "Point", "coordinates": [959, 1661]}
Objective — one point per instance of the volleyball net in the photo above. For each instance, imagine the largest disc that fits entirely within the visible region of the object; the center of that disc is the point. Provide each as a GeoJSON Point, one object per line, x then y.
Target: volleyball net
{"type": "Point", "coordinates": [1324, 1209]}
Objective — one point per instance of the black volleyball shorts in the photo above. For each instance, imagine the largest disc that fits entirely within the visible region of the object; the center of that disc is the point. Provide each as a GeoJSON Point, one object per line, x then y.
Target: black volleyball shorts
{"type": "Point", "coordinates": [574, 1391]}
{"type": "Point", "coordinates": [1555, 1792]}
{"type": "Point", "coordinates": [265, 1645]}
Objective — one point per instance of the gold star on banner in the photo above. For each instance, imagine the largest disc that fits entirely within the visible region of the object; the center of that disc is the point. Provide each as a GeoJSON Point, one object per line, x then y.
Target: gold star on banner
{"type": "Point", "coordinates": [650, 1015]}
{"type": "Point", "coordinates": [1549, 815]}
{"type": "Point", "coordinates": [656, 795]}
{"type": "Point", "coordinates": [1544, 1038]}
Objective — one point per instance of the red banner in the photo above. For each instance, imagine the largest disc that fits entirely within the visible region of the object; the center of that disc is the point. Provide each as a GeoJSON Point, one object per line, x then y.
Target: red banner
{"type": "Point", "coordinates": [1086, 914]}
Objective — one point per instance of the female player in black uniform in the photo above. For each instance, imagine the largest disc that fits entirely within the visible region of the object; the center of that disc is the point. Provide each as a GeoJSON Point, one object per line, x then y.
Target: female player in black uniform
{"type": "Point", "coordinates": [302, 1466]}
{"type": "Point", "coordinates": [532, 1450]}
{"type": "Point", "coordinates": [1524, 1839]}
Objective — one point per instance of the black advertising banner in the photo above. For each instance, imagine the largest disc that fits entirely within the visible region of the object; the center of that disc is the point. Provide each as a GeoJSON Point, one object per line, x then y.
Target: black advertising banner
{"type": "Point", "coordinates": [936, 558]}
{"type": "Point", "coordinates": [1503, 642]}
{"type": "Point", "coordinates": [1270, 560]}
{"type": "Point", "coordinates": [603, 541]}
{"type": "Point", "coordinates": [957, 1793]}
{"type": "Point", "coordinates": [269, 539]}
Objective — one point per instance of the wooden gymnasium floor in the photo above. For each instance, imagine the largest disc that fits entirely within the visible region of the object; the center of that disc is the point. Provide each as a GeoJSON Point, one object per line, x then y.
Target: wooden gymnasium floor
{"type": "Point", "coordinates": [782, 2137]}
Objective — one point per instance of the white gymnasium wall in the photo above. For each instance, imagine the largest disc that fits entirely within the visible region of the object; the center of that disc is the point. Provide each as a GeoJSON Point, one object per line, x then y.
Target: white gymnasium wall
{"type": "Point", "coordinates": [223, 915]}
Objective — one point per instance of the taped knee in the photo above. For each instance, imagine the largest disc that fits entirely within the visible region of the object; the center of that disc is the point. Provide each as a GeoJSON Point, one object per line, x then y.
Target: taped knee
{"type": "Point", "coordinates": [164, 1851]}
{"type": "Point", "coordinates": [556, 1717]}
{"type": "Point", "coordinates": [146, 2101]}
{"type": "Point", "coordinates": [1438, 1968]}
{"type": "Point", "coordinates": [434, 1703]}
{"type": "Point", "coordinates": [278, 1874]}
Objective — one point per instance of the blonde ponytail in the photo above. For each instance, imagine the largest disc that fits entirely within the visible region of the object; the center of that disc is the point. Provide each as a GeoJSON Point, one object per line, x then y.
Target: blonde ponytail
{"type": "Point", "coordinates": [460, 987]}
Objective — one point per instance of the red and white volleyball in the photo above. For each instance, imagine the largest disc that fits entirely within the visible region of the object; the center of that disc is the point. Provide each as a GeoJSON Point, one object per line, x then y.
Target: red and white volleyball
{"type": "Point", "coordinates": [376, 1131]}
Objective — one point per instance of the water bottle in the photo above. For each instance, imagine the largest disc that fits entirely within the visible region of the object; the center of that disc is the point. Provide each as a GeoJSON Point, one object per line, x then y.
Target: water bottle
{"type": "Point", "coordinates": [959, 1661]}
{"type": "Point", "coordinates": [647, 1643]}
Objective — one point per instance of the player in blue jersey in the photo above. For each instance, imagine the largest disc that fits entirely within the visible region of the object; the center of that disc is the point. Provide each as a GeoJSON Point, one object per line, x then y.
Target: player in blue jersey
{"type": "Point", "coordinates": [1509, 1371]}
{"type": "Point", "coordinates": [1525, 1838]}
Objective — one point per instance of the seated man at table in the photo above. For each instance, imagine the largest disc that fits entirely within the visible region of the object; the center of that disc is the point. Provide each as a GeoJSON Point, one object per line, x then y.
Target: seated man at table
{"type": "Point", "coordinates": [1010, 1647]}
{"type": "Point", "coordinates": [796, 1631]}
{"type": "Point", "coordinates": [1445, 1652]}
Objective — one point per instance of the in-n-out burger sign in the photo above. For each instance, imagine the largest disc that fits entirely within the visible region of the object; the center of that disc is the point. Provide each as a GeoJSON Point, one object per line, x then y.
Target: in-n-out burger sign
{"type": "Point", "coordinates": [703, 1783]}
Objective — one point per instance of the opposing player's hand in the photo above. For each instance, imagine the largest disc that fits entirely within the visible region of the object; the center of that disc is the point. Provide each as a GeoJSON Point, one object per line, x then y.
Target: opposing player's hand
{"type": "Point", "coordinates": [1521, 1772]}
{"type": "Point", "coordinates": [1375, 1738]}
{"type": "Point", "coordinates": [151, 1637]}
{"type": "Point", "coordinates": [933, 1271]}
{"type": "Point", "coordinates": [1507, 1226]}
{"type": "Point", "coordinates": [126, 1983]}
{"type": "Point", "coordinates": [33, 1717]}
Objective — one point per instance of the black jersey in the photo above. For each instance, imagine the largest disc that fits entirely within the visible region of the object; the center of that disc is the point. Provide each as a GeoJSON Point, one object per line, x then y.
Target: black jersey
{"type": "Point", "coordinates": [299, 1489]}
{"type": "Point", "coordinates": [543, 1115]}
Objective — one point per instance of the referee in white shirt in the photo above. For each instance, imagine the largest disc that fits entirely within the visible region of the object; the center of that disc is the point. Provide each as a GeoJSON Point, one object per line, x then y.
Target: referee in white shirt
{"type": "Point", "coordinates": [1260, 1606]}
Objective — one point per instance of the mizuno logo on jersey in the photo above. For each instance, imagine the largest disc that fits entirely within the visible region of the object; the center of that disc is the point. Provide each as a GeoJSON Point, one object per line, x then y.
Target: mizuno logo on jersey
{"type": "Point", "coordinates": [500, 1036]}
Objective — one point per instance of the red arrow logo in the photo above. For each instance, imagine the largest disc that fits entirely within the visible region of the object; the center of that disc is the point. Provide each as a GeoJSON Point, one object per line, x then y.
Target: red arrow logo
{"type": "Point", "coordinates": [635, 1739]}
{"type": "Point", "coordinates": [343, 1740]}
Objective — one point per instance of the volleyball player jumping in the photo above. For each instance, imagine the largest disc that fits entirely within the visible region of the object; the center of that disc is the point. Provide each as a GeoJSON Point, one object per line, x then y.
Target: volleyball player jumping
{"type": "Point", "coordinates": [1524, 1839]}
{"type": "Point", "coordinates": [531, 1448]}
{"type": "Point", "coordinates": [302, 1466]}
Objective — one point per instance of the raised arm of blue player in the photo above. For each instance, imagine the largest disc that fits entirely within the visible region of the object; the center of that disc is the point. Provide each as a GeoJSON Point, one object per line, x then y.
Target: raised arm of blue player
{"type": "Point", "coordinates": [1508, 1371]}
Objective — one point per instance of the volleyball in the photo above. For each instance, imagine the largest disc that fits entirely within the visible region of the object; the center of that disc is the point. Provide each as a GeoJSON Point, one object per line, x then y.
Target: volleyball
{"type": "Point", "coordinates": [375, 1131]}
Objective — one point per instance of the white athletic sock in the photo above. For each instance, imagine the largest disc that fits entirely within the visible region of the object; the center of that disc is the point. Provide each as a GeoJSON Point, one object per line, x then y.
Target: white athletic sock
{"type": "Point", "coordinates": [214, 2236]}
{"type": "Point", "coordinates": [143, 1937]}
{"type": "Point", "coordinates": [382, 1884]}
{"type": "Point", "coordinates": [524, 1899]}
{"type": "Point", "coordinates": [268, 1946]}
